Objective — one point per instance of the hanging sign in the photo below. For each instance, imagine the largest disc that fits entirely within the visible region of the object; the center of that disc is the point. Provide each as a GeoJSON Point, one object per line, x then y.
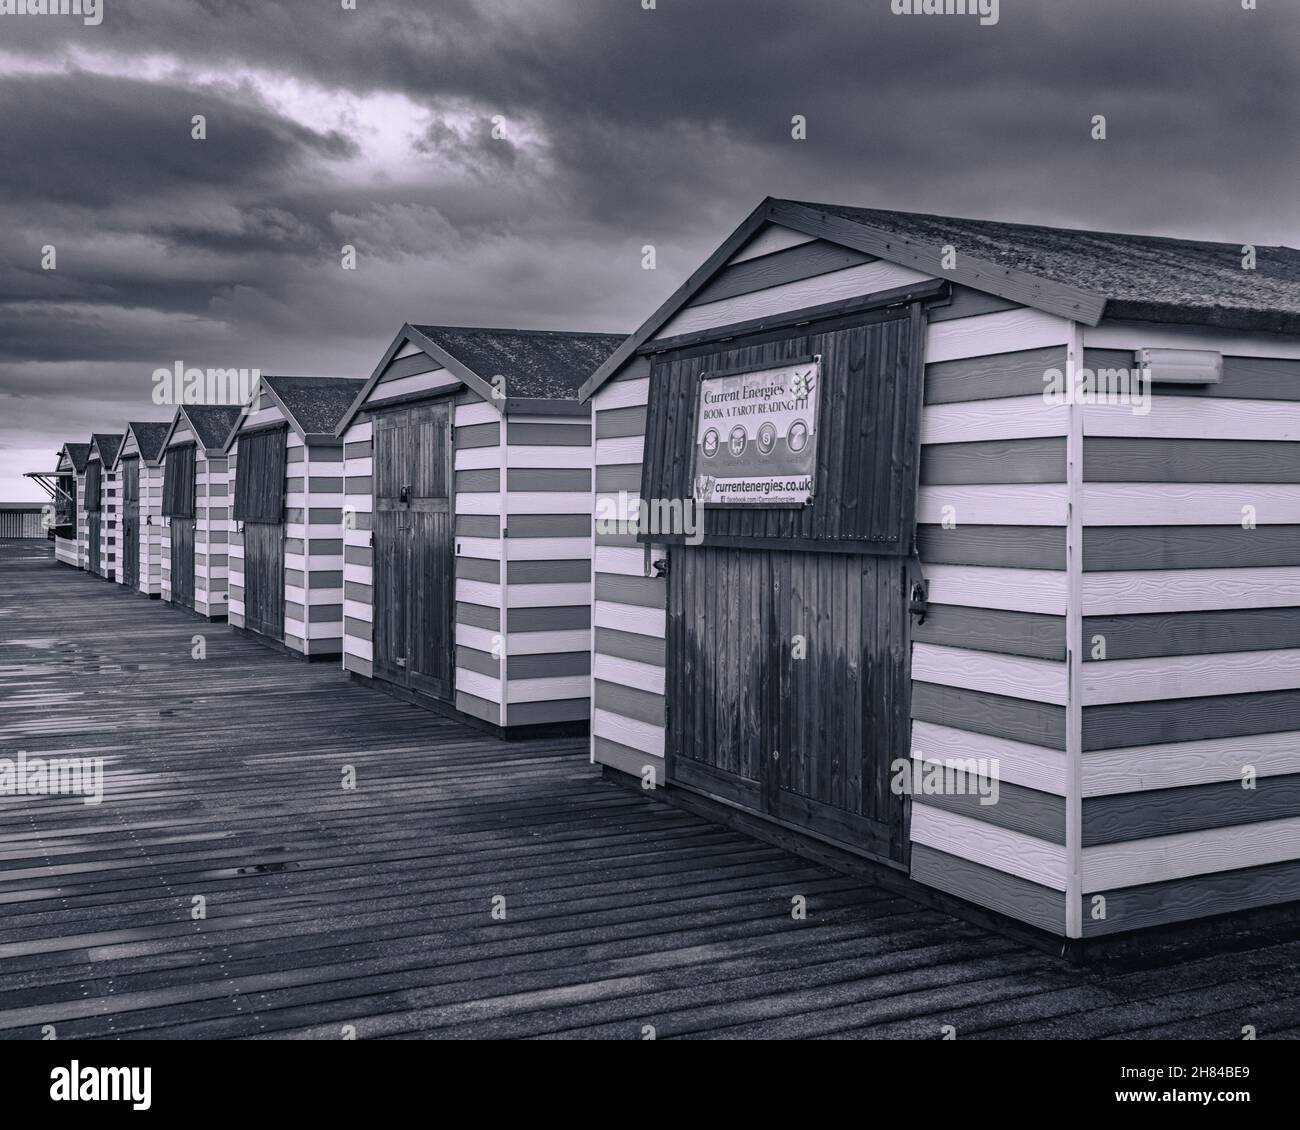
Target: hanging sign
{"type": "Point", "coordinates": [756, 436]}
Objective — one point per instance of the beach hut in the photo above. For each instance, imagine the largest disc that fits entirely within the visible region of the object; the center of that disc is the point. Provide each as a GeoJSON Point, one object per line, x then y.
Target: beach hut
{"type": "Point", "coordinates": [467, 570]}
{"type": "Point", "coordinates": [102, 504]}
{"type": "Point", "coordinates": [996, 580]}
{"type": "Point", "coordinates": [138, 468]}
{"type": "Point", "coordinates": [196, 509]}
{"type": "Point", "coordinates": [64, 485]}
{"type": "Point", "coordinates": [286, 547]}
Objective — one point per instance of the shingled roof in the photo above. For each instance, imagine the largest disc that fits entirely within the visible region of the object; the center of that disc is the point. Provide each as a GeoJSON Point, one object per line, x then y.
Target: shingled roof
{"type": "Point", "coordinates": [536, 364]}
{"type": "Point", "coordinates": [149, 436]}
{"type": "Point", "coordinates": [1140, 277]}
{"type": "Point", "coordinates": [1077, 274]}
{"type": "Point", "coordinates": [108, 445]}
{"type": "Point", "coordinates": [77, 452]}
{"type": "Point", "coordinates": [315, 404]}
{"type": "Point", "coordinates": [212, 422]}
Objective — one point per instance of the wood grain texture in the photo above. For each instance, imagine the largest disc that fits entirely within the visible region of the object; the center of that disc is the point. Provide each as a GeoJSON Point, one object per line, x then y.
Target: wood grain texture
{"type": "Point", "coordinates": [995, 376]}
{"type": "Point", "coordinates": [1189, 590]}
{"type": "Point", "coordinates": [1132, 769]}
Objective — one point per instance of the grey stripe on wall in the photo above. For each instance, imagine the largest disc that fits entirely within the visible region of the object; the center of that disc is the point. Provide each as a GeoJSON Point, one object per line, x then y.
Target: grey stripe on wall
{"type": "Point", "coordinates": [563, 619]}
{"type": "Point", "coordinates": [630, 645]}
{"type": "Point", "coordinates": [1164, 812]}
{"type": "Point", "coordinates": [806, 261]}
{"type": "Point", "coordinates": [478, 616]}
{"type": "Point", "coordinates": [1012, 547]}
{"type": "Point", "coordinates": [1018, 809]}
{"type": "Point", "coordinates": [358, 555]}
{"type": "Point", "coordinates": [996, 630]}
{"type": "Point", "coordinates": [1117, 725]}
{"type": "Point", "coordinates": [1243, 378]}
{"type": "Point", "coordinates": [547, 572]}
{"type": "Point", "coordinates": [1191, 633]}
{"type": "Point", "coordinates": [478, 569]}
{"type": "Point", "coordinates": [1111, 459]}
{"type": "Point", "coordinates": [546, 435]}
{"type": "Point", "coordinates": [645, 592]}
{"type": "Point", "coordinates": [477, 526]}
{"type": "Point", "coordinates": [549, 525]}
{"type": "Point", "coordinates": [1038, 723]}
{"type": "Point", "coordinates": [478, 435]}
{"type": "Point", "coordinates": [548, 666]}
{"type": "Point", "coordinates": [471, 659]}
{"type": "Point", "coordinates": [548, 478]}
{"type": "Point", "coordinates": [991, 377]}
{"type": "Point", "coordinates": [1039, 460]}
{"type": "Point", "coordinates": [614, 423]}
{"type": "Point", "coordinates": [629, 702]}
{"type": "Point", "coordinates": [619, 476]}
{"type": "Point", "coordinates": [479, 479]}
{"type": "Point", "coordinates": [998, 890]}
{"type": "Point", "coordinates": [1131, 548]}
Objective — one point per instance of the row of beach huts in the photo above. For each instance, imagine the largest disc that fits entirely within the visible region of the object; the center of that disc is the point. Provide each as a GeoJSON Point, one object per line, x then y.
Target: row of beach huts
{"type": "Point", "coordinates": [872, 500]}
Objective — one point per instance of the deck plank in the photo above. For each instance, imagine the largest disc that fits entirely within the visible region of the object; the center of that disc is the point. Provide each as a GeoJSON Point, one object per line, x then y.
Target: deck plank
{"type": "Point", "coordinates": [370, 907]}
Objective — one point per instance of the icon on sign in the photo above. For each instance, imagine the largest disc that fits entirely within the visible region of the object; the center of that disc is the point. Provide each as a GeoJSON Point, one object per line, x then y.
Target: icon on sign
{"type": "Point", "coordinates": [710, 444]}
{"type": "Point", "coordinates": [739, 440]}
{"type": "Point", "coordinates": [797, 437]}
{"type": "Point", "coordinates": [767, 438]}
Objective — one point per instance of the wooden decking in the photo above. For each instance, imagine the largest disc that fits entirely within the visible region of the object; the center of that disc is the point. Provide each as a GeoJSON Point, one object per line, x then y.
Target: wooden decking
{"type": "Point", "coordinates": [372, 907]}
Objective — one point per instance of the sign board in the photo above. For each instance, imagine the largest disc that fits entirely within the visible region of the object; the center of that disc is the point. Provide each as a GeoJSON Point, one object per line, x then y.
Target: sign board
{"type": "Point", "coordinates": [756, 436]}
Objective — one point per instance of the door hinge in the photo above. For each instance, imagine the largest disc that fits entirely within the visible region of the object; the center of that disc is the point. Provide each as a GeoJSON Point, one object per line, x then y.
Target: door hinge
{"type": "Point", "coordinates": [400, 662]}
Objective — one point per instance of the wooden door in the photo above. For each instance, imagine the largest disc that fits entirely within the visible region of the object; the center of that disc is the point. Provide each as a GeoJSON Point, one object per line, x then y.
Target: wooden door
{"type": "Point", "coordinates": [412, 538]}
{"type": "Point", "coordinates": [182, 533]}
{"type": "Point", "coordinates": [131, 523]}
{"type": "Point", "coordinates": [264, 578]}
{"type": "Point", "coordinates": [788, 687]}
{"type": "Point", "coordinates": [92, 543]}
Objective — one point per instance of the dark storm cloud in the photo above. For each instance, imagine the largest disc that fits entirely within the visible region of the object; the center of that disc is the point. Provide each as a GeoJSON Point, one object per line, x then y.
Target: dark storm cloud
{"type": "Point", "coordinates": [623, 127]}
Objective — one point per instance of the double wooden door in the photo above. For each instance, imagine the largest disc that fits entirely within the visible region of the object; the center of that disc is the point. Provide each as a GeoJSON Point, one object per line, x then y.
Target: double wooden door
{"type": "Point", "coordinates": [788, 687]}
{"type": "Point", "coordinates": [131, 523]}
{"type": "Point", "coordinates": [413, 543]}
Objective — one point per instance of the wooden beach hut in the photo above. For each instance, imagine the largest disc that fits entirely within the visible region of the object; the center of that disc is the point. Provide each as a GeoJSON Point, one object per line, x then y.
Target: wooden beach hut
{"type": "Point", "coordinates": [138, 468]}
{"type": "Point", "coordinates": [196, 509]}
{"type": "Point", "coordinates": [64, 485]}
{"type": "Point", "coordinates": [467, 570]}
{"type": "Point", "coordinates": [984, 496]}
{"type": "Point", "coordinates": [286, 545]}
{"type": "Point", "coordinates": [103, 505]}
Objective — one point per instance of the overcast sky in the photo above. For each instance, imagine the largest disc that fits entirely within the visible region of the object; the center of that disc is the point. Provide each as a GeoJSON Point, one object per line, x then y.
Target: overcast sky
{"type": "Point", "coordinates": [623, 127]}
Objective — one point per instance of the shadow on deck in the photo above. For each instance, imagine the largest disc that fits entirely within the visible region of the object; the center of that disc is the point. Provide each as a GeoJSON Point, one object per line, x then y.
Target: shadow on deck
{"type": "Point", "coordinates": [372, 907]}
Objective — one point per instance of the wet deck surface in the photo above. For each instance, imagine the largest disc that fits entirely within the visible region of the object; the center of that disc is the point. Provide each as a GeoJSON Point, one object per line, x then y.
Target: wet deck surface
{"type": "Point", "coordinates": [372, 907]}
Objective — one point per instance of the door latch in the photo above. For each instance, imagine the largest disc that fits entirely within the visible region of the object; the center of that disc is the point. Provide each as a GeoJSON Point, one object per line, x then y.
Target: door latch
{"type": "Point", "coordinates": [400, 662]}
{"type": "Point", "coordinates": [404, 496]}
{"type": "Point", "coordinates": [918, 600]}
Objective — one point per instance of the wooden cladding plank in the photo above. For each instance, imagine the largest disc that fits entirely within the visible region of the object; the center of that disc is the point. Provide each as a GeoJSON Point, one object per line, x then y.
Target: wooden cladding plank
{"type": "Point", "coordinates": [1117, 459]}
{"type": "Point", "coordinates": [1013, 852]}
{"type": "Point", "coordinates": [803, 261]}
{"type": "Point", "coordinates": [1191, 633]}
{"type": "Point", "coordinates": [1188, 676]}
{"type": "Point", "coordinates": [1000, 631]}
{"type": "Point", "coordinates": [1034, 767]}
{"type": "Point", "coordinates": [1121, 548]}
{"type": "Point", "coordinates": [1179, 764]}
{"type": "Point", "coordinates": [1015, 676]}
{"type": "Point", "coordinates": [992, 377]}
{"type": "Point", "coordinates": [1243, 378]}
{"type": "Point", "coordinates": [1157, 812]}
{"type": "Point", "coordinates": [998, 716]}
{"type": "Point", "coordinates": [1192, 418]}
{"type": "Point", "coordinates": [1015, 547]}
{"type": "Point", "coordinates": [1011, 895]}
{"type": "Point", "coordinates": [1035, 460]}
{"type": "Point", "coordinates": [1189, 590]}
{"type": "Point", "coordinates": [1190, 719]}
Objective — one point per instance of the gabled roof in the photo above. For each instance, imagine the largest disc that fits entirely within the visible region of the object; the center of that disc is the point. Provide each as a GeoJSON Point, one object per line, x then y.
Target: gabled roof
{"type": "Point", "coordinates": [149, 436]}
{"type": "Point", "coordinates": [105, 445]}
{"type": "Point", "coordinates": [77, 453]}
{"type": "Point", "coordinates": [1076, 274]}
{"type": "Point", "coordinates": [537, 365]}
{"type": "Point", "coordinates": [313, 406]}
{"type": "Point", "coordinates": [210, 423]}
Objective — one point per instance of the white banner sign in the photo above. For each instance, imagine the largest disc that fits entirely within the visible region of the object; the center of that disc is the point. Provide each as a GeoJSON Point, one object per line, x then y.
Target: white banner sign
{"type": "Point", "coordinates": [756, 436]}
